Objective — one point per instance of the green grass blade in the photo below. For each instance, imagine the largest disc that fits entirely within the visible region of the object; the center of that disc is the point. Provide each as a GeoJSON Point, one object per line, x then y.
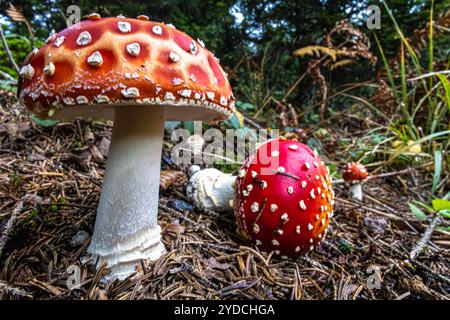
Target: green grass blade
{"type": "Point", "coordinates": [446, 85]}
{"type": "Point", "coordinates": [417, 212]}
{"type": "Point", "coordinates": [387, 67]}
{"type": "Point", "coordinates": [437, 169]}
{"type": "Point", "coordinates": [431, 45]}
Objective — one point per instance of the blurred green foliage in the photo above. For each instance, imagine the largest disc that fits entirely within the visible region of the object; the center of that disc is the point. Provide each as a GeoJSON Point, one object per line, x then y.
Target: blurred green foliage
{"type": "Point", "coordinates": [253, 38]}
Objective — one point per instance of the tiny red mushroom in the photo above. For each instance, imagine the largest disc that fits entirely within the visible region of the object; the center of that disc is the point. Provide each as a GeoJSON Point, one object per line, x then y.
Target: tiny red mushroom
{"type": "Point", "coordinates": [284, 198]}
{"type": "Point", "coordinates": [355, 174]}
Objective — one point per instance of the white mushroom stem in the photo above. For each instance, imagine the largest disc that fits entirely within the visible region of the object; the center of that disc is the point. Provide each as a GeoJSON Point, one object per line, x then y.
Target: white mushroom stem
{"type": "Point", "coordinates": [126, 228]}
{"type": "Point", "coordinates": [211, 189]}
{"type": "Point", "coordinates": [356, 191]}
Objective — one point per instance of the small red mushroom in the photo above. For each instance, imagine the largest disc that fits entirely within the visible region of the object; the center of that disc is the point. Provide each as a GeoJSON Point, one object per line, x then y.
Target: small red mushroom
{"type": "Point", "coordinates": [355, 173]}
{"type": "Point", "coordinates": [284, 198]}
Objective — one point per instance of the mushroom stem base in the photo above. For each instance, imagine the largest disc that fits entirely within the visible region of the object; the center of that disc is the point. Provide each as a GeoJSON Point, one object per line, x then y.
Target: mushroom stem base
{"type": "Point", "coordinates": [126, 229]}
{"type": "Point", "coordinates": [356, 191]}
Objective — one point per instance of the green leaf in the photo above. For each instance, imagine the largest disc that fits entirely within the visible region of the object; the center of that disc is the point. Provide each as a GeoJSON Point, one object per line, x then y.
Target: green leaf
{"type": "Point", "coordinates": [44, 122]}
{"type": "Point", "coordinates": [234, 121]}
{"type": "Point", "coordinates": [437, 169]}
{"type": "Point", "coordinates": [441, 204]}
{"type": "Point", "coordinates": [246, 106]}
{"type": "Point", "coordinates": [445, 213]}
{"type": "Point", "coordinates": [189, 125]}
{"type": "Point", "coordinates": [417, 212]}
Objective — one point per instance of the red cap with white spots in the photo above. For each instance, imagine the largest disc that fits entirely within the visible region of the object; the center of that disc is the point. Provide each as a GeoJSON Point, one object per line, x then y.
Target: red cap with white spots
{"type": "Point", "coordinates": [286, 210]}
{"type": "Point", "coordinates": [103, 62]}
{"type": "Point", "coordinates": [355, 172]}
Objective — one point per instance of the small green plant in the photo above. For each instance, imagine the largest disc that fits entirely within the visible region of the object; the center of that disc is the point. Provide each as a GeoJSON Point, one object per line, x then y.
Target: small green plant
{"type": "Point", "coordinates": [438, 206]}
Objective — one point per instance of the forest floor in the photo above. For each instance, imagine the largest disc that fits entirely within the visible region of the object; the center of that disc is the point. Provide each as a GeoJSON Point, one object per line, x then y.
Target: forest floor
{"type": "Point", "coordinates": [50, 179]}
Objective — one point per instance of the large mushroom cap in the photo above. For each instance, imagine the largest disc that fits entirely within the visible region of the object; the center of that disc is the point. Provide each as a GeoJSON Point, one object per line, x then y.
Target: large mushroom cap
{"type": "Point", "coordinates": [106, 62]}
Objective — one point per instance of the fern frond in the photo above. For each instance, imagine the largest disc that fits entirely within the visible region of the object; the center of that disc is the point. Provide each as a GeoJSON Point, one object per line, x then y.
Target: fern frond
{"type": "Point", "coordinates": [318, 51]}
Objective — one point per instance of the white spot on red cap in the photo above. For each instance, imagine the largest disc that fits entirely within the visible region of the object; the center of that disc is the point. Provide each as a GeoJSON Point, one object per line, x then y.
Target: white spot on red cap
{"type": "Point", "coordinates": [59, 41]}
{"type": "Point", "coordinates": [275, 242]}
{"type": "Point", "coordinates": [290, 189]}
{"type": "Point", "coordinates": [69, 101]}
{"type": "Point", "coordinates": [174, 57]}
{"type": "Point", "coordinates": [169, 96]}
{"type": "Point", "coordinates": [297, 229]}
{"type": "Point", "coordinates": [27, 71]}
{"type": "Point", "coordinates": [131, 92]}
{"type": "Point", "coordinates": [51, 37]}
{"type": "Point", "coordinates": [241, 173]}
{"type": "Point", "coordinates": [304, 184]}
{"type": "Point", "coordinates": [49, 69]}
{"type": "Point", "coordinates": [177, 82]}
{"type": "Point", "coordinates": [84, 38]}
{"type": "Point", "coordinates": [223, 101]}
{"type": "Point", "coordinates": [134, 49]}
{"type": "Point", "coordinates": [273, 207]}
{"type": "Point", "coordinates": [254, 207]}
{"type": "Point", "coordinates": [313, 196]}
{"type": "Point", "coordinates": [255, 228]}
{"type": "Point", "coordinates": [102, 98]}
{"type": "Point", "coordinates": [302, 205]}
{"type": "Point", "coordinates": [307, 165]}
{"type": "Point", "coordinates": [293, 147]}
{"type": "Point", "coordinates": [210, 95]}
{"type": "Point", "coordinates": [201, 43]}
{"type": "Point", "coordinates": [95, 59]}
{"type": "Point", "coordinates": [185, 93]}
{"type": "Point", "coordinates": [310, 226]}
{"type": "Point", "coordinates": [275, 153]}
{"type": "Point", "coordinates": [82, 100]}
{"type": "Point", "coordinates": [284, 216]}
{"type": "Point", "coordinates": [193, 47]}
{"type": "Point", "coordinates": [157, 30]}
{"type": "Point", "coordinates": [124, 26]}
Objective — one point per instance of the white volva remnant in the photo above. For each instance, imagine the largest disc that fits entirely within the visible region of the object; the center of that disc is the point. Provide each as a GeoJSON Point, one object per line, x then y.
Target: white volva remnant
{"type": "Point", "coordinates": [126, 228]}
{"type": "Point", "coordinates": [211, 189]}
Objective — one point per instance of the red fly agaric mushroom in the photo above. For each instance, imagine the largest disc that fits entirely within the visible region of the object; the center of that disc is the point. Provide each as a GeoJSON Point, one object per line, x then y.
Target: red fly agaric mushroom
{"type": "Point", "coordinates": [140, 73]}
{"type": "Point", "coordinates": [355, 174]}
{"type": "Point", "coordinates": [288, 209]}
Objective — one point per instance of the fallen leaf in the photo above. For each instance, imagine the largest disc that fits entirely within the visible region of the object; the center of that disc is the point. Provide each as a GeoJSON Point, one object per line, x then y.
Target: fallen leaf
{"type": "Point", "coordinates": [171, 177]}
